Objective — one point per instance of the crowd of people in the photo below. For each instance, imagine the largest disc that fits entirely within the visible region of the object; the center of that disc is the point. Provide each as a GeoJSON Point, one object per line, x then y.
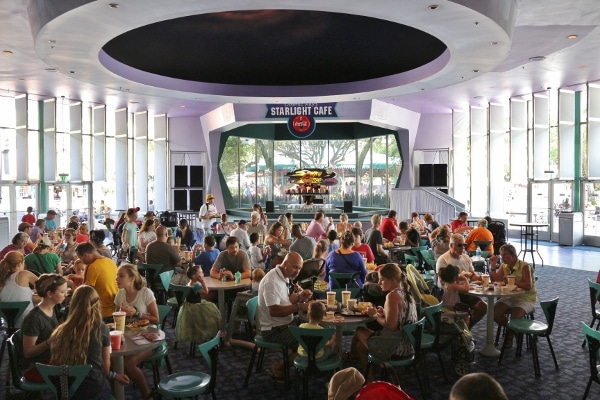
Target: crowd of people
{"type": "Point", "coordinates": [271, 256]}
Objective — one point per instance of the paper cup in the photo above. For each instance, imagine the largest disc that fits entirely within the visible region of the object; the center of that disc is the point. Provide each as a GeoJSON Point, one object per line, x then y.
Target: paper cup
{"type": "Point", "coordinates": [510, 280]}
{"type": "Point", "coordinates": [486, 280]}
{"type": "Point", "coordinates": [331, 299]}
{"type": "Point", "coordinates": [330, 315]}
{"type": "Point", "coordinates": [115, 339]}
{"type": "Point", "coordinates": [351, 304]}
{"type": "Point", "coordinates": [345, 297]}
{"type": "Point", "coordinates": [119, 318]}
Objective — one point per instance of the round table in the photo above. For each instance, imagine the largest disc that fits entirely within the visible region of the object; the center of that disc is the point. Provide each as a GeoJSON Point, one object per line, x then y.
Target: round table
{"type": "Point", "coordinates": [489, 349]}
{"type": "Point", "coordinates": [339, 326]}
{"type": "Point", "coordinates": [128, 347]}
{"type": "Point", "coordinates": [221, 286]}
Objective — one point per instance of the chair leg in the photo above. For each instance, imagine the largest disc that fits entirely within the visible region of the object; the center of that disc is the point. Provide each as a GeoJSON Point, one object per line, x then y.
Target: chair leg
{"type": "Point", "coordinates": [286, 367]}
{"type": "Point", "coordinates": [534, 353]}
{"type": "Point", "coordinates": [587, 388]}
{"type": "Point", "coordinates": [552, 351]}
{"type": "Point", "coordinates": [439, 354]}
{"type": "Point", "coordinates": [249, 372]}
{"type": "Point", "coordinates": [592, 325]}
{"type": "Point", "coordinates": [502, 350]}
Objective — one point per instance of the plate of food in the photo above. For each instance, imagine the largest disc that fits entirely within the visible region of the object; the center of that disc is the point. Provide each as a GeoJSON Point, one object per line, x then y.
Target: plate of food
{"type": "Point", "coordinates": [282, 251]}
{"type": "Point", "coordinates": [140, 324]}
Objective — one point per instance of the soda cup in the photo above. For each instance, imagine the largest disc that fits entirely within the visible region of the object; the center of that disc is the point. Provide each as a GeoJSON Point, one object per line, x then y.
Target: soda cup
{"type": "Point", "coordinates": [115, 339]}
{"type": "Point", "coordinates": [119, 318]}
{"type": "Point", "coordinates": [331, 299]}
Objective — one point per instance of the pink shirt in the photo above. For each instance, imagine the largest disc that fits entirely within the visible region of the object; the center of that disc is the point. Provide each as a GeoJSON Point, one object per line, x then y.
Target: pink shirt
{"type": "Point", "coordinates": [315, 230]}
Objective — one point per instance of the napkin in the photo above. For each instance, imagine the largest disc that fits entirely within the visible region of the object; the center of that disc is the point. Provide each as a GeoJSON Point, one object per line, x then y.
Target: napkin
{"type": "Point", "coordinates": [140, 339]}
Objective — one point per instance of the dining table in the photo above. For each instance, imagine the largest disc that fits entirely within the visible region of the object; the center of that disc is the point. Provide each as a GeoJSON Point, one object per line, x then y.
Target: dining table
{"type": "Point", "coordinates": [129, 347]}
{"type": "Point", "coordinates": [489, 350]}
{"type": "Point", "coordinates": [346, 321]}
{"type": "Point", "coordinates": [220, 286]}
{"type": "Point", "coordinates": [529, 237]}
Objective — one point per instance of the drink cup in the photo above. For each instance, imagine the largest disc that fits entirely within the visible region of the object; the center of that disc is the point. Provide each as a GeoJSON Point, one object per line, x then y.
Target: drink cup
{"type": "Point", "coordinates": [330, 315]}
{"type": "Point", "coordinates": [115, 339]}
{"type": "Point", "coordinates": [351, 304]}
{"type": "Point", "coordinates": [345, 297]}
{"type": "Point", "coordinates": [119, 318]}
{"type": "Point", "coordinates": [486, 280]}
{"type": "Point", "coordinates": [331, 299]}
{"type": "Point", "coordinates": [510, 280]}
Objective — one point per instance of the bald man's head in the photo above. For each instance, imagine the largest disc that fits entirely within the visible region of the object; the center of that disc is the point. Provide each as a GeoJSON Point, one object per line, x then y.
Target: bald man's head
{"type": "Point", "coordinates": [161, 233]}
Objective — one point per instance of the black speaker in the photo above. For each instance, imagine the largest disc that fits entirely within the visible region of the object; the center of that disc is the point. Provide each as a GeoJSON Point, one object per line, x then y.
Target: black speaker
{"type": "Point", "coordinates": [425, 174]}
{"type": "Point", "coordinates": [347, 206]}
{"type": "Point", "coordinates": [270, 206]}
{"type": "Point", "coordinates": [196, 176]}
{"type": "Point", "coordinates": [196, 199]}
{"type": "Point", "coordinates": [180, 199]}
{"type": "Point", "coordinates": [181, 176]}
{"type": "Point", "coordinates": [440, 174]}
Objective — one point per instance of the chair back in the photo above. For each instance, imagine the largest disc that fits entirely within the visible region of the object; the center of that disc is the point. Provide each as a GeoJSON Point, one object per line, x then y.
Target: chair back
{"type": "Point", "coordinates": [417, 250]}
{"type": "Point", "coordinates": [15, 353]}
{"type": "Point", "coordinates": [163, 310]}
{"type": "Point", "coordinates": [11, 311]}
{"type": "Point", "coordinates": [423, 242]}
{"type": "Point", "coordinates": [341, 279]}
{"type": "Point", "coordinates": [433, 315]}
{"type": "Point", "coordinates": [415, 334]}
{"type": "Point", "coordinates": [252, 305]}
{"type": "Point", "coordinates": [594, 294]}
{"type": "Point", "coordinates": [592, 337]}
{"type": "Point", "coordinates": [63, 380]}
{"type": "Point", "coordinates": [428, 255]}
{"type": "Point", "coordinates": [410, 259]}
{"type": "Point", "coordinates": [483, 245]}
{"type": "Point", "coordinates": [312, 340]}
{"type": "Point", "coordinates": [180, 292]}
{"type": "Point", "coordinates": [311, 269]}
{"type": "Point", "coordinates": [210, 352]}
{"type": "Point", "coordinates": [150, 271]}
{"type": "Point", "coordinates": [165, 279]}
{"type": "Point", "coordinates": [354, 292]}
{"type": "Point", "coordinates": [549, 308]}
{"type": "Point", "coordinates": [419, 286]}
{"type": "Point", "coordinates": [383, 346]}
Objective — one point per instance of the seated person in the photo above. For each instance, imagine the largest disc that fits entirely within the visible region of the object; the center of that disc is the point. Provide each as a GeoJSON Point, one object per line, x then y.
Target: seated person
{"type": "Point", "coordinates": [316, 312]}
{"type": "Point", "coordinates": [66, 251]}
{"type": "Point", "coordinates": [43, 260]}
{"type": "Point", "coordinates": [459, 225]}
{"type": "Point", "coordinates": [453, 283]}
{"type": "Point", "coordinates": [231, 261]}
{"type": "Point", "coordinates": [208, 256]}
{"type": "Point", "coordinates": [160, 252]}
{"type": "Point", "coordinates": [411, 236]}
{"type": "Point", "coordinates": [476, 386]}
{"type": "Point", "coordinates": [440, 240]}
{"type": "Point", "coordinates": [389, 226]}
{"type": "Point", "coordinates": [332, 237]}
{"type": "Point", "coordinates": [480, 234]}
{"type": "Point", "coordinates": [258, 256]}
{"type": "Point", "coordinates": [78, 274]}
{"type": "Point", "coordinates": [83, 234]}
{"type": "Point", "coordinates": [345, 260]}
{"type": "Point", "coordinates": [361, 247]}
{"type": "Point", "coordinates": [257, 276]}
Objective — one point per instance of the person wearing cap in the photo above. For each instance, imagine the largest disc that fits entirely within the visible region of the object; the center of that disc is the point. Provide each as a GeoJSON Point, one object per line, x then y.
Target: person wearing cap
{"type": "Point", "coordinates": [29, 217]}
{"type": "Point", "coordinates": [208, 213]}
{"type": "Point", "coordinates": [43, 260]}
{"type": "Point", "coordinates": [26, 227]}
{"type": "Point", "coordinates": [344, 384]}
{"type": "Point", "coordinates": [130, 234]}
{"type": "Point", "coordinates": [241, 233]}
{"type": "Point", "coordinates": [50, 220]}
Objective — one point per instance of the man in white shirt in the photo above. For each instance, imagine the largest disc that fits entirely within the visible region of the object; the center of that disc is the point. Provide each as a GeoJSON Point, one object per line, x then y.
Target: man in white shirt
{"type": "Point", "coordinates": [241, 233]}
{"type": "Point", "coordinates": [208, 213]}
{"type": "Point", "coordinates": [457, 257]}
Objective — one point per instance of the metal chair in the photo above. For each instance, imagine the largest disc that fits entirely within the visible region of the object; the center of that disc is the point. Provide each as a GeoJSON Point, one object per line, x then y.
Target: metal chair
{"type": "Point", "coordinates": [194, 383]}
{"type": "Point", "coordinates": [11, 312]}
{"type": "Point", "coordinates": [59, 378]}
{"type": "Point", "coordinates": [431, 341]}
{"type": "Point", "coordinates": [341, 279]}
{"type": "Point", "coordinates": [483, 245]}
{"type": "Point", "coordinates": [594, 294]}
{"type": "Point", "coordinates": [262, 345]}
{"type": "Point", "coordinates": [429, 258]}
{"type": "Point", "coordinates": [15, 351]}
{"type": "Point", "coordinates": [165, 279]}
{"type": "Point", "coordinates": [161, 353]}
{"type": "Point", "coordinates": [592, 337]}
{"type": "Point", "coordinates": [239, 314]}
{"type": "Point", "coordinates": [533, 329]}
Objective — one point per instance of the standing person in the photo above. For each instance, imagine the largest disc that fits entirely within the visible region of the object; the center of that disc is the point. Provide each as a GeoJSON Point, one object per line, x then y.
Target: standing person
{"type": "Point", "coordinates": [389, 226]}
{"type": "Point", "coordinates": [303, 245]}
{"type": "Point", "coordinates": [315, 229]}
{"type": "Point", "coordinates": [40, 322]}
{"type": "Point", "coordinates": [50, 220]}
{"type": "Point", "coordinates": [151, 205]}
{"type": "Point", "coordinates": [262, 216]}
{"type": "Point", "coordinates": [208, 256]}
{"type": "Point", "coordinates": [208, 213]}
{"type": "Point", "coordinates": [29, 217]}
{"type": "Point", "coordinates": [66, 251]}
{"type": "Point", "coordinates": [146, 235]}
{"type": "Point", "coordinates": [100, 274]}
{"type": "Point", "coordinates": [399, 309]}
{"type": "Point", "coordinates": [185, 233]}
{"type": "Point", "coordinates": [129, 237]}
{"type": "Point", "coordinates": [361, 247]}
{"type": "Point", "coordinates": [43, 260]}
{"type": "Point", "coordinates": [346, 260]}
{"type": "Point", "coordinates": [160, 252]}
{"type": "Point", "coordinates": [83, 339]}
{"type": "Point", "coordinates": [242, 235]}
{"type": "Point", "coordinates": [459, 225]}
{"type": "Point", "coordinates": [456, 256]}
{"type": "Point", "coordinates": [15, 282]}
{"type": "Point", "coordinates": [138, 302]}
{"type": "Point", "coordinates": [480, 234]}
{"type": "Point", "coordinates": [277, 306]}
{"type": "Point", "coordinates": [374, 238]}
{"type": "Point", "coordinates": [518, 306]}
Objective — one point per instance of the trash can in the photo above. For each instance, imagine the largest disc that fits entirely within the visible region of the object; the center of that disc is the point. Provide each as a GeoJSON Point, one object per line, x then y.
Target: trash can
{"type": "Point", "coordinates": [570, 228]}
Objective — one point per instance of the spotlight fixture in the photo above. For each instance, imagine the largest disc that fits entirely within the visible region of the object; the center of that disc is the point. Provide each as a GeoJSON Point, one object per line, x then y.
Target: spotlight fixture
{"type": "Point", "coordinates": [537, 58]}
{"type": "Point", "coordinates": [475, 70]}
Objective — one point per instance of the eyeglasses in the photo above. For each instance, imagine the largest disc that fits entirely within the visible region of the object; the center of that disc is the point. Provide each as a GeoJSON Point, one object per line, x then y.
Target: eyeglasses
{"type": "Point", "coordinates": [461, 245]}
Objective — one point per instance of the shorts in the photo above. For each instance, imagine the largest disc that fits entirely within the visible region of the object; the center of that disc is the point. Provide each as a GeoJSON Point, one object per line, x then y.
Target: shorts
{"type": "Point", "coordinates": [282, 335]}
{"type": "Point", "coordinates": [515, 302]}
{"type": "Point", "coordinates": [469, 299]}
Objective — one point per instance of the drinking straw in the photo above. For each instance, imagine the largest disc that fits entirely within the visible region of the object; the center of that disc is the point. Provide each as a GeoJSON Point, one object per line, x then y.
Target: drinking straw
{"type": "Point", "coordinates": [346, 287]}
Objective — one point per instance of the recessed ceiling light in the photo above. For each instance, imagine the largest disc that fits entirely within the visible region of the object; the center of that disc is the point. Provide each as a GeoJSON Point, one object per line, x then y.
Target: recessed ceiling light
{"type": "Point", "coordinates": [494, 43]}
{"type": "Point", "coordinates": [478, 97]}
{"type": "Point", "coordinates": [475, 70]}
{"type": "Point", "coordinates": [182, 106]}
{"type": "Point", "coordinates": [52, 41]}
{"type": "Point", "coordinates": [583, 66]}
{"type": "Point", "coordinates": [50, 69]}
{"type": "Point", "coordinates": [572, 37]}
{"type": "Point", "coordinates": [434, 7]}
{"type": "Point", "coordinates": [7, 52]}
{"type": "Point", "coordinates": [537, 58]}
{"type": "Point", "coordinates": [113, 5]}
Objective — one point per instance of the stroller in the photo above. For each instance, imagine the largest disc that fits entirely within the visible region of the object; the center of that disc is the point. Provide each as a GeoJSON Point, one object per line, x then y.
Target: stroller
{"type": "Point", "coordinates": [453, 324]}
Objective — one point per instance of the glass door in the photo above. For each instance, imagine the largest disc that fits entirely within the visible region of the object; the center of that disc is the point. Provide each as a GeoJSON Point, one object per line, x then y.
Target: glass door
{"type": "Point", "coordinates": [70, 199]}
{"type": "Point", "coordinates": [562, 201]}
{"type": "Point", "coordinates": [540, 210]}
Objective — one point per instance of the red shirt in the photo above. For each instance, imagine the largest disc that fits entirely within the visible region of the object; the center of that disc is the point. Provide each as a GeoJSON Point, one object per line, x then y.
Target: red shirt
{"type": "Point", "coordinates": [389, 229]}
{"type": "Point", "coordinates": [457, 223]}
{"type": "Point", "coordinates": [364, 248]}
{"type": "Point", "coordinates": [29, 218]}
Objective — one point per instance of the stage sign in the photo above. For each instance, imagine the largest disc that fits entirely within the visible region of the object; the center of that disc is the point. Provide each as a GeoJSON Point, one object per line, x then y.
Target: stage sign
{"type": "Point", "coordinates": [301, 117]}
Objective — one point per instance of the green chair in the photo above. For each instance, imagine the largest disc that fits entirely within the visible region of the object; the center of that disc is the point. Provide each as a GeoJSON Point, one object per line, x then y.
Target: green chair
{"type": "Point", "coordinates": [15, 350]}
{"type": "Point", "coordinates": [11, 311]}
{"type": "Point", "coordinates": [180, 292]}
{"type": "Point", "coordinates": [430, 342]}
{"type": "Point", "coordinates": [160, 355]}
{"type": "Point", "coordinates": [63, 377]}
{"type": "Point", "coordinates": [381, 352]}
{"type": "Point", "coordinates": [341, 279]}
{"type": "Point", "coordinates": [262, 345]}
{"type": "Point", "coordinates": [594, 294]}
{"type": "Point", "coordinates": [483, 245]}
{"type": "Point", "coordinates": [592, 337]}
{"type": "Point", "coordinates": [417, 250]}
{"type": "Point", "coordinates": [312, 341]}
{"type": "Point", "coordinates": [165, 279]}
{"type": "Point", "coordinates": [533, 329]}
{"type": "Point", "coordinates": [194, 383]}
{"type": "Point", "coordinates": [423, 242]}
{"type": "Point", "coordinates": [150, 272]}
{"type": "Point", "coordinates": [429, 258]}
{"type": "Point", "coordinates": [410, 259]}
{"type": "Point", "coordinates": [353, 293]}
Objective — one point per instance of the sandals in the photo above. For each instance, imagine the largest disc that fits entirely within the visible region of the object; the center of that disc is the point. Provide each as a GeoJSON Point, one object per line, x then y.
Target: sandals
{"type": "Point", "coordinates": [277, 379]}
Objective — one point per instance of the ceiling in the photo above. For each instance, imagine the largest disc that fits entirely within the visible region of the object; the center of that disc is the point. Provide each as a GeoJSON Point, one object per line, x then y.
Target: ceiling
{"type": "Point", "coordinates": [186, 58]}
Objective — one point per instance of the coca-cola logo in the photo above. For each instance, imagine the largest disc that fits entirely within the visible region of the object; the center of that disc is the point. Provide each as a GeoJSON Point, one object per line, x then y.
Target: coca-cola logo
{"type": "Point", "coordinates": [301, 126]}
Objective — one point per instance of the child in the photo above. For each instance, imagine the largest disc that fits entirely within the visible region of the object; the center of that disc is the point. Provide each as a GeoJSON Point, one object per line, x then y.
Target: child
{"type": "Point", "coordinates": [207, 258]}
{"type": "Point", "coordinates": [453, 283]}
{"type": "Point", "coordinates": [257, 276]}
{"type": "Point", "coordinates": [316, 312]}
{"type": "Point", "coordinates": [332, 236]}
{"type": "Point", "coordinates": [78, 273]}
{"type": "Point", "coordinates": [129, 237]}
{"type": "Point", "coordinates": [258, 256]}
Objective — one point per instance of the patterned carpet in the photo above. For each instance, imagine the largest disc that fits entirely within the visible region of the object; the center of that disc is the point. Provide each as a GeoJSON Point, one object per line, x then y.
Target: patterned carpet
{"type": "Point", "coordinates": [516, 375]}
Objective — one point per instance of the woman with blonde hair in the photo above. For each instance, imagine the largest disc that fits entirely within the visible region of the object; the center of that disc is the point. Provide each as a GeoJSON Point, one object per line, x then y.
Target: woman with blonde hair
{"type": "Point", "coordinates": [43, 260]}
{"type": "Point", "coordinates": [83, 234]}
{"type": "Point", "coordinates": [263, 217]}
{"type": "Point", "coordinates": [83, 339]}
{"type": "Point", "coordinates": [344, 225]}
{"type": "Point", "coordinates": [139, 303]}
{"type": "Point", "coordinates": [286, 226]}
{"type": "Point", "coordinates": [15, 282]}
{"type": "Point", "coordinates": [146, 235]}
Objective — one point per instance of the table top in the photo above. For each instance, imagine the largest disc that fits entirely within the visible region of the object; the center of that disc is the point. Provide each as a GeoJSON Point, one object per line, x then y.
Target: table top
{"type": "Point", "coordinates": [214, 284]}
{"type": "Point", "coordinates": [492, 293]}
{"type": "Point", "coordinates": [398, 248]}
{"type": "Point", "coordinates": [128, 347]}
{"type": "Point", "coordinates": [348, 319]}
{"type": "Point", "coordinates": [529, 224]}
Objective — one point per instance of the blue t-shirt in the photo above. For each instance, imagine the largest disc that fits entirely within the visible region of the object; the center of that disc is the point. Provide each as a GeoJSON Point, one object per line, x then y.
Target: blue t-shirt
{"type": "Point", "coordinates": [50, 224]}
{"type": "Point", "coordinates": [206, 259]}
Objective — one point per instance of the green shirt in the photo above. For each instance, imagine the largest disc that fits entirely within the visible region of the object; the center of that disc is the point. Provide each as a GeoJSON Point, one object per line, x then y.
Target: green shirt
{"type": "Point", "coordinates": [42, 263]}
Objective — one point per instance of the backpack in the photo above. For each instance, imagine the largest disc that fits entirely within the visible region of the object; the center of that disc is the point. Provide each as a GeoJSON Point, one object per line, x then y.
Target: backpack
{"type": "Point", "coordinates": [498, 230]}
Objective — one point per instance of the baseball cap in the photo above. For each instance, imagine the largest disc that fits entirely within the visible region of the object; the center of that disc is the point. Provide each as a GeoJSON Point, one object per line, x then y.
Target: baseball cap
{"type": "Point", "coordinates": [130, 211]}
{"type": "Point", "coordinates": [209, 196]}
{"type": "Point", "coordinates": [44, 241]}
{"type": "Point", "coordinates": [242, 222]}
{"type": "Point", "coordinates": [23, 226]}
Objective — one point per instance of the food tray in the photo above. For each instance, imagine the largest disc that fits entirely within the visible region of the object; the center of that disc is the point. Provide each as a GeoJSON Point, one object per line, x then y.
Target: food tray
{"type": "Point", "coordinates": [351, 313]}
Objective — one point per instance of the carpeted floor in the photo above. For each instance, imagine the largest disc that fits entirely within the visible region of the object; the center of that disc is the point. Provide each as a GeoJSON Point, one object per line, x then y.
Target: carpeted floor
{"type": "Point", "coordinates": [516, 375]}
